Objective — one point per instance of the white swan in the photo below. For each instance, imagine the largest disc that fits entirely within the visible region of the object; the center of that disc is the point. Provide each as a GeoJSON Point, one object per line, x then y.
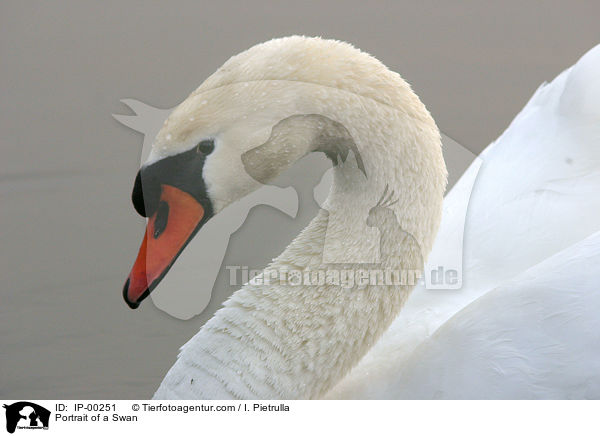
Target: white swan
{"type": "Point", "coordinates": [271, 342]}
{"type": "Point", "coordinates": [259, 113]}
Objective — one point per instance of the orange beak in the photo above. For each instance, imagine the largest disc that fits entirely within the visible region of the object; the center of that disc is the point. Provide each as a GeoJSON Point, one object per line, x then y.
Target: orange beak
{"type": "Point", "coordinates": [169, 229]}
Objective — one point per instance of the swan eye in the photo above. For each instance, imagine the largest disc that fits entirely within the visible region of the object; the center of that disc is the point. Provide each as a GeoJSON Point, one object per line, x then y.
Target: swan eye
{"type": "Point", "coordinates": [206, 147]}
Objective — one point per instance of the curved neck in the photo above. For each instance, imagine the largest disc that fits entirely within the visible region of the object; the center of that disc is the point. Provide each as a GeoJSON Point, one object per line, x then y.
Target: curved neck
{"type": "Point", "coordinates": [297, 329]}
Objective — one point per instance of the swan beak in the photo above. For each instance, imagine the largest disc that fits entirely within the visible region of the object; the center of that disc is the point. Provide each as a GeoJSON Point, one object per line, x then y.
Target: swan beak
{"type": "Point", "coordinates": [173, 224]}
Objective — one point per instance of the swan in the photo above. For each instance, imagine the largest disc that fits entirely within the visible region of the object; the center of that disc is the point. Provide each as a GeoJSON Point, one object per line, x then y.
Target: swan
{"type": "Point", "coordinates": [263, 110]}
{"type": "Point", "coordinates": [523, 324]}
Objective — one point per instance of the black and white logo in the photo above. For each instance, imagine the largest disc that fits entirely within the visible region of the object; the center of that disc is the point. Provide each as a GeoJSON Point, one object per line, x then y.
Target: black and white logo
{"type": "Point", "coordinates": [26, 415]}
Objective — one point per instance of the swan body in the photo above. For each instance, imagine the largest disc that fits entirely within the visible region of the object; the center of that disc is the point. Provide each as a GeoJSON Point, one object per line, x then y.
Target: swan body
{"type": "Point", "coordinates": [535, 196]}
{"type": "Point", "coordinates": [541, 342]}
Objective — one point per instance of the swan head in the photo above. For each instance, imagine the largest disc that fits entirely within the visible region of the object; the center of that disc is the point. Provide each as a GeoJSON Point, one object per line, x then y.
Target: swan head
{"type": "Point", "coordinates": [253, 118]}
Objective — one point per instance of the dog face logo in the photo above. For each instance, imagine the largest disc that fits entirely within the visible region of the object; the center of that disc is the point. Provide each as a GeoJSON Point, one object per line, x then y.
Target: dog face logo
{"type": "Point", "coordinates": [24, 414]}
